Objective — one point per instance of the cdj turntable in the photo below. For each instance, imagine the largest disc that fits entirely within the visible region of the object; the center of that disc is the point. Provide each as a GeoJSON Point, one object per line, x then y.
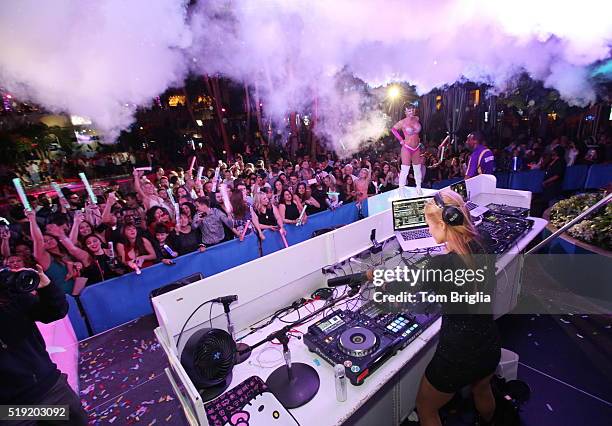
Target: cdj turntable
{"type": "Point", "coordinates": [508, 210]}
{"type": "Point", "coordinates": [363, 340]}
{"type": "Point", "coordinates": [500, 232]}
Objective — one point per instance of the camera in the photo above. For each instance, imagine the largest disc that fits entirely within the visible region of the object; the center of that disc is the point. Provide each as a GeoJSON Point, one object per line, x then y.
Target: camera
{"type": "Point", "coordinates": [23, 281]}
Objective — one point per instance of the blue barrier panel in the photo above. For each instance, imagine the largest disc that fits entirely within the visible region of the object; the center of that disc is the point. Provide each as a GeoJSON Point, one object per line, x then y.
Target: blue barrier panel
{"type": "Point", "coordinates": [599, 176]}
{"type": "Point", "coordinates": [78, 323]}
{"type": "Point", "coordinates": [296, 234]}
{"type": "Point", "coordinates": [503, 179]}
{"type": "Point", "coordinates": [125, 298]}
{"type": "Point", "coordinates": [574, 178]}
{"type": "Point", "coordinates": [527, 181]}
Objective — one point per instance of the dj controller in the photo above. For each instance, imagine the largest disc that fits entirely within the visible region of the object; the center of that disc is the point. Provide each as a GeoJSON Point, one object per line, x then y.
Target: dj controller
{"type": "Point", "coordinates": [364, 339]}
{"type": "Point", "coordinates": [499, 232]}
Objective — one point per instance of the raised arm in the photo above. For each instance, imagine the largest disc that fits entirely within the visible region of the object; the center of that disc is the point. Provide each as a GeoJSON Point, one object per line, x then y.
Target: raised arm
{"type": "Point", "coordinates": [226, 200]}
{"type": "Point", "coordinates": [106, 214]}
{"type": "Point", "coordinates": [5, 249]}
{"type": "Point", "coordinates": [40, 253]}
{"type": "Point", "coordinates": [138, 186]}
{"type": "Point", "coordinates": [74, 231]}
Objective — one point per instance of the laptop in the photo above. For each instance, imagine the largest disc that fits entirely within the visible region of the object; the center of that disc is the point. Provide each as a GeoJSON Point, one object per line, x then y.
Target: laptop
{"type": "Point", "coordinates": [475, 210]}
{"type": "Point", "coordinates": [409, 223]}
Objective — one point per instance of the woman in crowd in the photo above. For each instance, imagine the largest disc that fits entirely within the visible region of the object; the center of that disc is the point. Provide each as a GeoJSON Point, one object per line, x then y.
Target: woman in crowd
{"type": "Point", "coordinates": [468, 350]}
{"type": "Point", "coordinates": [364, 185]}
{"type": "Point", "coordinates": [306, 199]}
{"type": "Point", "coordinates": [347, 191]}
{"type": "Point", "coordinates": [81, 229]}
{"type": "Point", "coordinates": [187, 239]}
{"type": "Point", "coordinates": [188, 209]}
{"type": "Point", "coordinates": [51, 256]}
{"type": "Point", "coordinates": [266, 215]}
{"type": "Point", "coordinates": [158, 216]}
{"type": "Point", "coordinates": [147, 191]}
{"type": "Point", "coordinates": [101, 263]}
{"type": "Point", "coordinates": [278, 189]}
{"type": "Point", "coordinates": [134, 250]}
{"type": "Point", "coordinates": [239, 211]}
{"type": "Point", "coordinates": [290, 208]}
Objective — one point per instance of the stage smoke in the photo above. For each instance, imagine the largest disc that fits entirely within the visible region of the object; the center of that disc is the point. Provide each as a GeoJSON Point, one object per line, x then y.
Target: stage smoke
{"type": "Point", "coordinates": [94, 57]}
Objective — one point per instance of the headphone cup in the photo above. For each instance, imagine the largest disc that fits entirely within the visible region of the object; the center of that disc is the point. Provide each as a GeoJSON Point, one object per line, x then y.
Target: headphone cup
{"type": "Point", "coordinates": [451, 215]}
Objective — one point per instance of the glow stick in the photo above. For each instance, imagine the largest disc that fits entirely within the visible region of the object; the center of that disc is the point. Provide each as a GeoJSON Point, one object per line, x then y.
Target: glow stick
{"type": "Point", "coordinates": [22, 195]}
{"type": "Point", "coordinates": [143, 169]}
{"type": "Point", "coordinates": [176, 212]}
{"type": "Point", "coordinates": [90, 192]}
{"type": "Point", "coordinates": [216, 178]}
{"type": "Point", "coordinates": [246, 228]}
{"type": "Point", "coordinates": [284, 239]}
{"type": "Point", "coordinates": [60, 194]}
{"type": "Point", "coordinates": [200, 172]}
{"type": "Point", "coordinates": [170, 196]}
{"type": "Point", "coordinates": [299, 221]}
{"type": "Point", "coordinates": [193, 160]}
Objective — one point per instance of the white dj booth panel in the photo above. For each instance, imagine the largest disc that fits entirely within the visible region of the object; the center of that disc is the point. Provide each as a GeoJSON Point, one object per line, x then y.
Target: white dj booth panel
{"type": "Point", "coordinates": [482, 190]}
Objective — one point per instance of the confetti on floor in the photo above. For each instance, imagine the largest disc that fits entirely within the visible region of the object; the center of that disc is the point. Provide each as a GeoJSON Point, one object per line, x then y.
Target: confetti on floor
{"type": "Point", "coordinates": [122, 378]}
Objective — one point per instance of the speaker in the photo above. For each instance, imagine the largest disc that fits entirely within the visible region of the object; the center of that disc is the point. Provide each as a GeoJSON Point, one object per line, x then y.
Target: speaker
{"type": "Point", "coordinates": [174, 285]}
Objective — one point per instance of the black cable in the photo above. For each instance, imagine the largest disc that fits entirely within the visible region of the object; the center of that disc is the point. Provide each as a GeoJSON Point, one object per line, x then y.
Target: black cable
{"type": "Point", "coordinates": [178, 341]}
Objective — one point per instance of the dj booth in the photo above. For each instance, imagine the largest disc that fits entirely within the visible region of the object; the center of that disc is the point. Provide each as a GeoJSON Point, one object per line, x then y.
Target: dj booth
{"type": "Point", "coordinates": [291, 277]}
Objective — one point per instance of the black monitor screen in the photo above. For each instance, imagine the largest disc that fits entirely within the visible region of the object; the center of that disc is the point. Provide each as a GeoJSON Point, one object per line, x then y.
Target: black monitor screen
{"type": "Point", "coordinates": [460, 189]}
{"type": "Point", "coordinates": [409, 214]}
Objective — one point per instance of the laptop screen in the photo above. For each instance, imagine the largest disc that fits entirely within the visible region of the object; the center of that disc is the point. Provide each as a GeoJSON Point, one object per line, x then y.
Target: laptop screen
{"type": "Point", "coordinates": [409, 214]}
{"type": "Point", "coordinates": [460, 189]}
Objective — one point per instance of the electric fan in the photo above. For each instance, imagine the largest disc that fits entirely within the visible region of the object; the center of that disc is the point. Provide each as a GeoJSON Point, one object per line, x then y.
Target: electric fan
{"type": "Point", "coordinates": [208, 358]}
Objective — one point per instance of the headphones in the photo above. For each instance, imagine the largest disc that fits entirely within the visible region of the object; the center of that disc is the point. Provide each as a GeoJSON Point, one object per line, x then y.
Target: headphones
{"type": "Point", "coordinates": [451, 215]}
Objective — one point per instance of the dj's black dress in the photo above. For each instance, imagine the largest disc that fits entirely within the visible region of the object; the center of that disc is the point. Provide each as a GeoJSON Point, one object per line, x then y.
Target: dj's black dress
{"type": "Point", "coordinates": [469, 347]}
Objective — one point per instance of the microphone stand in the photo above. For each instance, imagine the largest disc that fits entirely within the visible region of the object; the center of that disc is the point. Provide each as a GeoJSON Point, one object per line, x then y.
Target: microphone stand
{"type": "Point", "coordinates": [295, 384]}
{"type": "Point", "coordinates": [243, 351]}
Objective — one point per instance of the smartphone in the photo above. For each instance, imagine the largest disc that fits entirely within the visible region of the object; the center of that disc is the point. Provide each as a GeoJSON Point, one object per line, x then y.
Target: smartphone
{"type": "Point", "coordinates": [311, 181]}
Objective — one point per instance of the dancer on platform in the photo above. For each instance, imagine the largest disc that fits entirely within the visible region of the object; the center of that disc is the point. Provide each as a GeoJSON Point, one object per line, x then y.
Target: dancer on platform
{"type": "Point", "coordinates": [411, 152]}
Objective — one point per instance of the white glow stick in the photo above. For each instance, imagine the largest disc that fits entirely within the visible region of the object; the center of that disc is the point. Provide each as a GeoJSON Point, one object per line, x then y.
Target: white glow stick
{"type": "Point", "coordinates": [60, 194]}
{"type": "Point", "coordinates": [170, 196]}
{"type": "Point", "coordinates": [442, 154]}
{"type": "Point", "coordinates": [90, 192]}
{"type": "Point", "coordinates": [143, 169]}
{"type": "Point", "coordinates": [176, 212]}
{"type": "Point", "coordinates": [22, 195]}
{"type": "Point", "coordinates": [216, 179]}
{"type": "Point", "coordinates": [193, 160]}
{"type": "Point", "coordinates": [299, 221]}
{"type": "Point", "coordinates": [200, 172]}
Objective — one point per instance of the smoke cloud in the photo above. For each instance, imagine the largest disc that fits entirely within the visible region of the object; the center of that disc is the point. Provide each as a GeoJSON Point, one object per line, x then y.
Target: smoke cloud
{"type": "Point", "coordinates": [94, 57]}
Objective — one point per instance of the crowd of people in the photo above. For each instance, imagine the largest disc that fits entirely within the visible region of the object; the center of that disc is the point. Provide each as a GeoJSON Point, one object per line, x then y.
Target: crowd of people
{"type": "Point", "coordinates": [168, 213]}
